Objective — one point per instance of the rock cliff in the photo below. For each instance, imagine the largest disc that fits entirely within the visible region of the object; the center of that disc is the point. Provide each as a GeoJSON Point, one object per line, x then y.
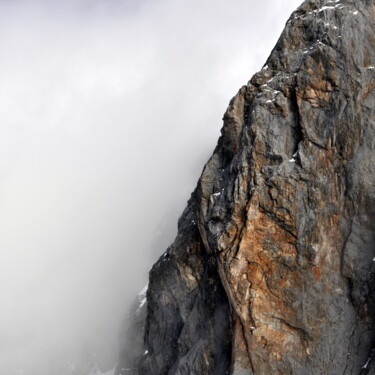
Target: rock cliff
{"type": "Point", "coordinates": [273, 267]}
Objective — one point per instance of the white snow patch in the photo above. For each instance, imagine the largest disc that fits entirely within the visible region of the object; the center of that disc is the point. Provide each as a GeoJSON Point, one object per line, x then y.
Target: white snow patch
{"type": "Point", "coordinates": [366, 364]}
{"type": "Point", "coordinates": [293, 159]}
{"type": "Point", "coordinates": [142, 302]}
{"type": "Point", "coordinates": [370, 67]}
{"type": "Point", "coordinates": [165, 256]}
{"type": "Point", "coordinates": [355, 12]}
{"type": "Point", "coordinates": [217, 194]}
{"type": "Point", "coordinates": [326, 7]}
{"type": "Point", "coordinates": [338, 5]}
{"type": "Point", "coordinates": [142, 295]}
{"type": "Point", "coordinates": [315, 248]}
{"type": "Point", "coordinates": [144, 290]}
{"type": "Point", "coordinates": [373, 259]}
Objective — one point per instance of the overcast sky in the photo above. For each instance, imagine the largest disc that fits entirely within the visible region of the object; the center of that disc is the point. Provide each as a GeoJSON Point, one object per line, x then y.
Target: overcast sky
{"type": "Point", "coordinates": [108, 111]}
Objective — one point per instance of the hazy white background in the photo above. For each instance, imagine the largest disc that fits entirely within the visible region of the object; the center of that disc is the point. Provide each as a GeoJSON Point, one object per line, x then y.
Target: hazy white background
{"type": "Point", "coordinates": [108, 111]}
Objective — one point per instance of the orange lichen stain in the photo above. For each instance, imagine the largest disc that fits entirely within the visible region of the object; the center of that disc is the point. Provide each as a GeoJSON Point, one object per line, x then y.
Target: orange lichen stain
{"type": "Point", "coordinates": [264, 277]}
{"type": "Point", "coordinates": [325, 161]}
{"type": "Point", "coordinates": [329, 153]}
{"type": "Point", "coordinates": [317, 272]}
{"type": "Point", "coordinates": [278, 356]}
{"type": "Point", "coordinates": [272, 343]}
{"type": "Point", "coordinates": [367, 90]}
{"type": "Point", "coordinates": [315, 96]}
{"type": "Point", "coordinates": [264, 274]}
{"type": "Point", "coordinates": [334, 219]}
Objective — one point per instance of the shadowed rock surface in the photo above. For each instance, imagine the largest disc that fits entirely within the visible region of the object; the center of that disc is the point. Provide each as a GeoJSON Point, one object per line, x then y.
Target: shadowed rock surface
{"type": "Point", "coordinates": [272, 271]}
{"type": "Point", "coordinates": [131, 337]}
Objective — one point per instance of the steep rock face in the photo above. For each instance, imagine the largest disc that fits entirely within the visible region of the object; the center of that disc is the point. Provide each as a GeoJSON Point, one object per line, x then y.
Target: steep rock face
{"type": "Point", "coordinates": [272, 270]}
{"type": "Point", "coordinates": [188, 326]}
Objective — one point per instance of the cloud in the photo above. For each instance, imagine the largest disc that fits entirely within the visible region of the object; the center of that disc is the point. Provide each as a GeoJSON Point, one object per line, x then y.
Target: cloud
{"type": "Point", "coordinates": [109, 110]}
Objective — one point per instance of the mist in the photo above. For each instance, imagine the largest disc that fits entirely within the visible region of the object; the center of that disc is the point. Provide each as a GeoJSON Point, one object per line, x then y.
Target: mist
{"type": "Point", "coordinates": [108, 112]}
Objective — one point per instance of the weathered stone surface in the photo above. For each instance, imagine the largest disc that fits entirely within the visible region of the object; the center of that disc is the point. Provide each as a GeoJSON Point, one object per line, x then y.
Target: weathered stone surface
{"type": "Point", "coordinates": [187, 330]}
{"type": "Point", "coordinates": [272, 271]}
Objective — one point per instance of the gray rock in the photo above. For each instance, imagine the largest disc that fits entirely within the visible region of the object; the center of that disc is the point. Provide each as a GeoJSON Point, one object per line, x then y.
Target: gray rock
{"type": "Point", "coordinates": [272, 270]}
{"type": "Point", "coordinates": [187, 328]}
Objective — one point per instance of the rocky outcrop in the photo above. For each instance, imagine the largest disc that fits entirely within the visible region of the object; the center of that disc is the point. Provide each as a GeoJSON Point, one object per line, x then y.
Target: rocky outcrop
{"type": "Point", "coordinates": [188, 329]}
{"type": "Point", "coordinates": [272, 271]}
